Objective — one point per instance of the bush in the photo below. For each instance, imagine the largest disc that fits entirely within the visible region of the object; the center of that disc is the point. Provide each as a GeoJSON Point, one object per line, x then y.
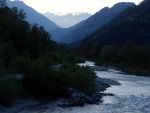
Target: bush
{"type": "Point", "coordinates": [45, 81]}
{"type": "Point", "coordinates": [8, 52]}
{"type": "Point", "coordinates": [38, 78]}
{"type": "Point", "coordinates": [22, 63]}
{"type": "Point", "coordinates": [80, 78]}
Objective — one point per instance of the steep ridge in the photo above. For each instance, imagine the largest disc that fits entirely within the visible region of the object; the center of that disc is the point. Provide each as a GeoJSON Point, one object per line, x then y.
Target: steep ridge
{"type": "Point", "coordinates": [97, 20]}
{"type": "Point", "coordinates": [132, 24]}
{"type": "Point", "coordinates": [33, 16]}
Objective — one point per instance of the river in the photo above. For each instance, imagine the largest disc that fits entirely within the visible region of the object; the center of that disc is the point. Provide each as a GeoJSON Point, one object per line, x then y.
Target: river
{"type": "Point", "coordinates": [132, 96]}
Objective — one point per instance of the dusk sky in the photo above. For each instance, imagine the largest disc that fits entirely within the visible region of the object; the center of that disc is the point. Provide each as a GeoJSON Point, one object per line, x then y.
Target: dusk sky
{"type": "Point", "coordinates": [65, 6]}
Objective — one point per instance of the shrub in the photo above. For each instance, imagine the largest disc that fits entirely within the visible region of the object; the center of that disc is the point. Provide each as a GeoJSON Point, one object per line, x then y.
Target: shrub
{"type": "Point", "coordinates": [8, 52]}
{"type": "Point", "coordinates": [43, 81]}
{"type": "Point", "coordinates": [77, 77]}
{"type": "Point", "coordinates": [38, 78]}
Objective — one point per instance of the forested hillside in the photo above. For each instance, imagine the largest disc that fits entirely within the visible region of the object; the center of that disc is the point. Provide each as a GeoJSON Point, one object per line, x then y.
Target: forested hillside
{"type": "Point", "coordinates": [132, 24]}
{"type": "Point", "coordinates": [124, 42]}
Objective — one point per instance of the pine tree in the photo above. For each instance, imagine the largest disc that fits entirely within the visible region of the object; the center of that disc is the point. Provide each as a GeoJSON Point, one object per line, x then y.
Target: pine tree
{"type": "Point", "coordinates": [3, 3]}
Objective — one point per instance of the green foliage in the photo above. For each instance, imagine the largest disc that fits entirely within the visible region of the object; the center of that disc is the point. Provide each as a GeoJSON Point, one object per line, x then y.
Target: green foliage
{"type": "Point", "coordinates": [108, 53]}
{"type": "Point", "coordinates": [79, 59]}
{"type": "Point", "coordinates": [130, 58]}
{"type": "Point", "coordinates": [18, 33]}
{"type": "Point", "coordinates": [22, 63]}
{"type": "Point", "coordinates": [126, 53]}
{"type": "Point", "coordinates": [18, 14]}
{"type": "Point", "coordinates": [37, 74]}
{"type": "Point", "coordinates": [59, 58]}
{"type": "Point", "coordinates": [39, 41]}
{"type": "Point", "coordinates": [81, 78]}
{"type": "Point", "coordinates": [88, 51]}
{"type": "Point", "coordinates": [7, 52]}
{"type": "Point", "coordinates": [43, 80]}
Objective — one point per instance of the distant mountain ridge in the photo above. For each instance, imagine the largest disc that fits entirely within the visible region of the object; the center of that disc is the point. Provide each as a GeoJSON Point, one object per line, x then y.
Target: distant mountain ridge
{"type": "Point", "coordinates": [67, 20]}
{"type": "Point", "coordinates": [60, 32]}
{"type": "Point", "coordinates": [33, 16]}
{"type": "Point", "coordinates": [94, 22]}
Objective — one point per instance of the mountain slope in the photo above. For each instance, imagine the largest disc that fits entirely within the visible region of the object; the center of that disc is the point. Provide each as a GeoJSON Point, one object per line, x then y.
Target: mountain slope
{"type": "Point", "coordinates": [60, 32]}
{"type": "Point", "coordinates": [132, 24]}
{"type": "Point", "coordinates": [68, 20]}
{"type": "Point", "coordinates": [33, 16]}
{"type": "Point", "coordinates": [97, 20]}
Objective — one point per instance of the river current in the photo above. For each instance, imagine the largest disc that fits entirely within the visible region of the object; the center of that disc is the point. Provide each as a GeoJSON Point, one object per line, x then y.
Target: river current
{"type": "Point", "coordinates": [132, 96]}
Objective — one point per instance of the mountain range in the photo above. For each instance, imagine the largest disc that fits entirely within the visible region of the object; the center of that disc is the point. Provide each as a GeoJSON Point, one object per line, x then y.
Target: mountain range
{"type": "Point", "coordinates": [33, 16]}
{"type": "Point", "coordinates": [132, 25]}
{"type": "Point", "coordinates": [94, 22]}
{"type": "Point", "coordinates": [67, 20]}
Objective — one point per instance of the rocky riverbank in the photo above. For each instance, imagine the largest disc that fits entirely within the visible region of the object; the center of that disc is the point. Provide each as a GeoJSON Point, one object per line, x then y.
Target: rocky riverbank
{"type": "Point", "coordinates": [74, 98]}
{"type": "Point", "coordinates": [80, 99]}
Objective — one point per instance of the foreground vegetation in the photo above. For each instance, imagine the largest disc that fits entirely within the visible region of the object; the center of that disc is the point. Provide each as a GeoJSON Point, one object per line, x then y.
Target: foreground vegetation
{"type": "Point", "coordinates": [43, 79]}
{"type": "Point", "coordinates": [45, 68]}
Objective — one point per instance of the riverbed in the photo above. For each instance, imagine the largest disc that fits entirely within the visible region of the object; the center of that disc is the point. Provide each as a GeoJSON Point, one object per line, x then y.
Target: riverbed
{"type": "Point", "coordinates": [132, 96]}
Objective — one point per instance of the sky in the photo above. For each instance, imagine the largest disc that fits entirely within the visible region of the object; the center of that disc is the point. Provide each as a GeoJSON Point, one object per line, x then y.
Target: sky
{"type": "Point", "coordinates": [71, 6]}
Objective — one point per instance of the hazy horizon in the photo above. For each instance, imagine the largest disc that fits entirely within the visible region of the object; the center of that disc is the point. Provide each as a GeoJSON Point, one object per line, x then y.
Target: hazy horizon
{"type": "Point", "coordinates": [72, 6]}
